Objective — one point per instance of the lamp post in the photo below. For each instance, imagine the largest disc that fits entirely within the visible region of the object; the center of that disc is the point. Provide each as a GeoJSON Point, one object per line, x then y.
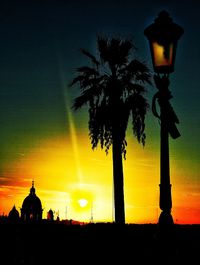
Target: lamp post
{"type": "Point", "coordinates": [163, 36]}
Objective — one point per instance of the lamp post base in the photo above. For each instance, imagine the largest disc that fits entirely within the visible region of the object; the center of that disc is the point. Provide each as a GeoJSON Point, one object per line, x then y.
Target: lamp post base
{"type": "Point", "coordinates": [165, 219]}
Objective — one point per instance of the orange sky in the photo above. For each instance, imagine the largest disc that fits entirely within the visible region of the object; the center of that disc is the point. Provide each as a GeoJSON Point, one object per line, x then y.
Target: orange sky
{"type": "Point", "coordinates": [63, 177]}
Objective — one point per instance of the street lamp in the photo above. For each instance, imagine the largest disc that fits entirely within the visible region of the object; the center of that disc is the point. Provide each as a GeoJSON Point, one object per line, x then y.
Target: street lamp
{"type": "Point", "coordinates": [163, 36]}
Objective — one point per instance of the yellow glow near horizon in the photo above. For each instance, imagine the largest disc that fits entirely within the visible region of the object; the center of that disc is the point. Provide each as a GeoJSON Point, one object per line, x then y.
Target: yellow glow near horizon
{"type": "Point", "coordinates": [53, 167]}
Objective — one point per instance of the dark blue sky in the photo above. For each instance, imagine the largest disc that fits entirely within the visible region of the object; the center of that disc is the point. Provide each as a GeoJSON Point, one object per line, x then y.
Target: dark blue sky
{"type": "Point", "coordinates": [39, 46]}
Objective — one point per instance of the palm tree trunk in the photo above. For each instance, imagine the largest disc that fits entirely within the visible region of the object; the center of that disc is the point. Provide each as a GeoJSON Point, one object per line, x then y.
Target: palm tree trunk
{"type": "Point", "coordinates": [118, 178]}
{"type": "Point", "coordinates": [118, 181]}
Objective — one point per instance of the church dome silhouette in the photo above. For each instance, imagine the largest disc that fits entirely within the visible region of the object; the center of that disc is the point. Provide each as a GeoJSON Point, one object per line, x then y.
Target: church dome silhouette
{"type": "Point", "coordinates": [32, 207]}
{"type": "Point", "coordinates": [13, 214]}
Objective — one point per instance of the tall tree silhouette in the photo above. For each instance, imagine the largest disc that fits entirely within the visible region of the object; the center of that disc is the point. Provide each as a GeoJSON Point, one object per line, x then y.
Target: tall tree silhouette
{"type": "Point", "coordinates": [113, 88]}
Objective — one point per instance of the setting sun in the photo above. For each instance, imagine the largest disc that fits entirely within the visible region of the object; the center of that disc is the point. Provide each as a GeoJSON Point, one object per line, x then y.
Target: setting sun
{"type": "Point", "coordinates": [82, 202]}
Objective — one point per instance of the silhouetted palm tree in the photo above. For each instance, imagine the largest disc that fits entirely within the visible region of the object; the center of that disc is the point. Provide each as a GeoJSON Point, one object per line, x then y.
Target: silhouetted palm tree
{"type": "Point", "coordinates": [113, 88]}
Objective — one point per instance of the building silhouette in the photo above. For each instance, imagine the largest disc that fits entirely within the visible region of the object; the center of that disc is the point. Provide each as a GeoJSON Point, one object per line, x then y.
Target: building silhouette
{"type": "Point", "coordinates": [13, 214]}
{"type": "Point", "coordinates": [50, 215]}
{"type": "Point", "coordinates": [32, 207]}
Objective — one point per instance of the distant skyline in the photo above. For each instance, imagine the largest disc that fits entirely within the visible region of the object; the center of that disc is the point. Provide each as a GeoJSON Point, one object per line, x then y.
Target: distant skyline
{"type": "Point", "coordinates": [42, 139]}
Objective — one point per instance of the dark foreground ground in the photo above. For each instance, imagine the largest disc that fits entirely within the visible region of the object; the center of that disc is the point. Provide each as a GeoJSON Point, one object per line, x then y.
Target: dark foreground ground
{"type": "Point", "coordinates": [56, 243]}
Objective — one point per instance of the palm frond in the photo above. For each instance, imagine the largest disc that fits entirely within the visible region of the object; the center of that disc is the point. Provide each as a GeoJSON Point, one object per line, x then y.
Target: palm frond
{"type": "Point", "coordinates": [79, 102]}
{"type": "Point", "coordinates": [126, 46]}
{"type": "Point", "coordinates": [139, 107]}
{"type": "Point", "coordinates": [88, 95]}
{"type": "Point", "coordinates": [134, 88]}
{"type": "Point", "coordinates": [75, 80]}
{"type": "Point", "coordinates": [135, 66]}
{"type": "Point", "coordinates": [89, 55]}
{"type": "Point", "coordinates": [144, 78]}
{"type": "Point", "coordinates": [86, 70]}
{"type": "Point", "coordinates": [102, 44]}
{"type": "Point", "coordinates": [136, 71]}
{"type": "Point", "coordinates": [100, 125]}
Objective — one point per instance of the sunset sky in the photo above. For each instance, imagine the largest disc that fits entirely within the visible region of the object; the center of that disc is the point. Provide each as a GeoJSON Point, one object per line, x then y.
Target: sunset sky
{"type": "Point", "coordinates": [42, 139]}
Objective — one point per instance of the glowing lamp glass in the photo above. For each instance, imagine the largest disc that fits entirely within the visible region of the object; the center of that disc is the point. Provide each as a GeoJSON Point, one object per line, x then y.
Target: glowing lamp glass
{"type": "Point", "coordinates": [162, 56]}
